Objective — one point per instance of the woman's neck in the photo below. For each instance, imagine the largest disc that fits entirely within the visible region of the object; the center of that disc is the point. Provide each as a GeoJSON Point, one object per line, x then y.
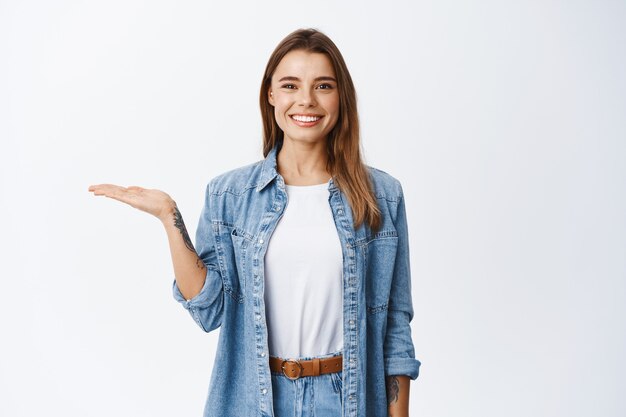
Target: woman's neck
{"type": "Point", "coordinates": [301, 163]}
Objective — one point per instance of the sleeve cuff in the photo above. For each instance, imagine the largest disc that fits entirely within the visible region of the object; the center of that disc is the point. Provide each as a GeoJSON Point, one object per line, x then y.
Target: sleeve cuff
{"type": "Point", "coordinates": [202, 298]}
{"type": "Point", "coordinates": [402, 366]}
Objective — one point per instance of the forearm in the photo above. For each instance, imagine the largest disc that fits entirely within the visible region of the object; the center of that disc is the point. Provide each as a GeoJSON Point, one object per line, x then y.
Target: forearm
{"type": "Point", "coordinates": [189, 269]}
{"type": "Point", "coordinates": [398, 395]}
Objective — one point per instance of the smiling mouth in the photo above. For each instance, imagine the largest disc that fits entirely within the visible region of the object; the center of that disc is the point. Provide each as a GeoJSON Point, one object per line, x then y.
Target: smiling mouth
{"type": "Point", "coordinates": [305, 119]}
{"type": "Point", "coordinates": [301, 120]}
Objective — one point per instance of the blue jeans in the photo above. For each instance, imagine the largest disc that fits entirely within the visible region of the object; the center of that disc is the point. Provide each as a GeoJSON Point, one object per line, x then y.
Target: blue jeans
{"type": "Point", "coordinates": [308, 396]}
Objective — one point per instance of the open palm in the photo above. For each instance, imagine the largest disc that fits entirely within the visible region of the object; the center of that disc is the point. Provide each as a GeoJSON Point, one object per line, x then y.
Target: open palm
{"type": "Point", "coordinates": [155, 202]}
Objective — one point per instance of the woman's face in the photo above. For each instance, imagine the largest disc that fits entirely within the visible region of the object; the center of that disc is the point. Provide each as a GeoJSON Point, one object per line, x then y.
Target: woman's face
{"type": "Point", "coordinates": [305, 96]}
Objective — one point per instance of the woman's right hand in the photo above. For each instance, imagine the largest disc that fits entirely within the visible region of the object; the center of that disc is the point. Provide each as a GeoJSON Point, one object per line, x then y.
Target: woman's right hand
{"type": "Point", "coordinates": [155, 202]}
{"type": "Point", "coordinates": [189, 269]}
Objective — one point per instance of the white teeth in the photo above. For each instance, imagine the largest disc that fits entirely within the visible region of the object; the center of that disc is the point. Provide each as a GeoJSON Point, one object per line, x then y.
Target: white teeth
{"type": "Point", "coordinates": [305, 118]}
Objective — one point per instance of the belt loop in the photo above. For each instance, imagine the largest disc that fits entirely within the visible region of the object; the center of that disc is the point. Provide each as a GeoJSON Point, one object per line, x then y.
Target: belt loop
{"type": "Point", "coordinates": [316, 366]}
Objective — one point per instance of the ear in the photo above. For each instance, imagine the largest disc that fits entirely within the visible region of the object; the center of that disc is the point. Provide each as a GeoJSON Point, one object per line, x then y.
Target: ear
{"type": "Point", "coordinates": [270, 97]}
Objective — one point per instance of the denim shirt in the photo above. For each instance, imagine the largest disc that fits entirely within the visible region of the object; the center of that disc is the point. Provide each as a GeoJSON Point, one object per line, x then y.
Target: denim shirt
{"type": "Point", "coordinates": [242, 208]}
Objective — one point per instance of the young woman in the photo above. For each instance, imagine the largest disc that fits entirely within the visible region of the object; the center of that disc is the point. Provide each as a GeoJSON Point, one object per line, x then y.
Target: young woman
{"type": "Point", "coordinates": [302, 258]}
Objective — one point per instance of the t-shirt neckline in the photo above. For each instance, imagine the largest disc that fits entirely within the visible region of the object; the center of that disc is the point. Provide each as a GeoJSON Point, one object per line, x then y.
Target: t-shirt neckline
{"type": "Point", "coordinates": [323, 185]}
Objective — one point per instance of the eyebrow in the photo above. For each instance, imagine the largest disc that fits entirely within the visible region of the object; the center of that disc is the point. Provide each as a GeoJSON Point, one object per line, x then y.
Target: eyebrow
{"type": "Point", "coordinates": [323, 78]}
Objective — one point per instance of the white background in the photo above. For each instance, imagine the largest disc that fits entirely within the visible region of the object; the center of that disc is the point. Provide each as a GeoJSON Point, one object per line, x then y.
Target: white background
{"type": "Point", "coordinates": [505, 122]}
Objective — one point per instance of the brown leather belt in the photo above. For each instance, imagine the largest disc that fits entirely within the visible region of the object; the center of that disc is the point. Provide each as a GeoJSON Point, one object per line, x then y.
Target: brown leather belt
{"type": "Point", "coordinates": [294, 369]}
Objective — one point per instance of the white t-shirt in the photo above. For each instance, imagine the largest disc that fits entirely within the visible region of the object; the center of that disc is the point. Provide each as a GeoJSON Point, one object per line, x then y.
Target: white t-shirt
{"type": "Point", "coordinates": [303, 277]}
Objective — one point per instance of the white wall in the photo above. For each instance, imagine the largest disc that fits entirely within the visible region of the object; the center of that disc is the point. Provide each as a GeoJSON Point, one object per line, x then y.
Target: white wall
{"type": "Point", "coordinates": [505, 122]}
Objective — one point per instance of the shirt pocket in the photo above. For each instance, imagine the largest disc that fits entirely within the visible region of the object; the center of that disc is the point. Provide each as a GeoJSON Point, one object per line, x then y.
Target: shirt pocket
{"type": "Point", "coordinates": [234, 258]}
{"type": "Point", "coordinates": [380, 258]}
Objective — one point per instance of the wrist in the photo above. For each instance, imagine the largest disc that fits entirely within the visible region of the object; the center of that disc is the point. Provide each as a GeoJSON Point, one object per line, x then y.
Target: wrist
{"type": "Point", "coordinates": [167, 213]}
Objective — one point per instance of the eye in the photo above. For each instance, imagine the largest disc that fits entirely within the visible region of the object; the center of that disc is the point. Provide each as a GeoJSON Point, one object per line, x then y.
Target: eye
{"type": "Point", "coordinates": [288, 86]}
{"type": "Point", "coordinates": [326, 86]}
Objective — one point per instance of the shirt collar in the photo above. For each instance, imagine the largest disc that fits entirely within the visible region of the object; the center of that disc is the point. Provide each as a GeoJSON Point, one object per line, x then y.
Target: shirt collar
{"type": "Point", "coordinates": [269, 172]}
{"type": "Point", "coordinates": [268, 169]}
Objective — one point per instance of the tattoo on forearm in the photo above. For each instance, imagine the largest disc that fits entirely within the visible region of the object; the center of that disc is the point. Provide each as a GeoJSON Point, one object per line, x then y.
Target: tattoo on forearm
{"type": "Point", "coordinates": [180, 225]}
{"type": "Point", "coordinates": [393, 389]}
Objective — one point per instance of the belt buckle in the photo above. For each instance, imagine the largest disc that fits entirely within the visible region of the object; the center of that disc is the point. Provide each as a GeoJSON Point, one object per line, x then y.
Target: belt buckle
{"type": "Point", "coordinates": [297, 362]}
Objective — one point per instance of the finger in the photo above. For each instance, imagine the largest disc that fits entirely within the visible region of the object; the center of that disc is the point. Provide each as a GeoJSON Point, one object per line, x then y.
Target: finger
{"type": "Point", "coordinates": [97, 189]}
{"type": "Point", "coordinates": [100, 187]}
{"type": "Point", "coordinates": [92, 188]}
{"type": "Point", "coordinates": [112, 191]}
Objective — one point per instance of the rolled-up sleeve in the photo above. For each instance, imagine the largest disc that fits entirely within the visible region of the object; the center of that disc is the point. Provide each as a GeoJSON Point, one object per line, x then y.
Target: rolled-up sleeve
{"type": "Point", "coordinates": [207, 306]}
{"type": "Point", "coordinates": [398, 350]}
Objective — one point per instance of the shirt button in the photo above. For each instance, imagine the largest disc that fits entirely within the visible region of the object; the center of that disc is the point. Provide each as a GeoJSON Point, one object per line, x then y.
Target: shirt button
{"type": "Point", "coordinates": [277, 208]}
{"type": "Point", "coordinates": [264, 390]}
{"type": "Point", "coordinates": [261, 241]}
{"type": "Point", "coordinates": [262, 354]}
{"type": "Point", "coordinates": [348, 245]}
{"type": "Point", "coordinates": [351, 322]}
{"type": "Point", "coordinates": [351, 397]}
{"type": "Point", "coordinates": [340, 211]}
{"type": "Point", "coordinates": [352, 360]}
{"type": "Point", "coordinates": [258, 317]}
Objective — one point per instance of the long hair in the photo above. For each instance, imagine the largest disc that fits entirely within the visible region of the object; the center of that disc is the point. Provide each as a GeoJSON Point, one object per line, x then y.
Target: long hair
{"type": "Point", "coordinates": [343, 144]}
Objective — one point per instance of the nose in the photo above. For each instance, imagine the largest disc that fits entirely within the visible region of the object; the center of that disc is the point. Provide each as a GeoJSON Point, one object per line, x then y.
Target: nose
{"type": "Point", "coordinates": [306, 99]}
